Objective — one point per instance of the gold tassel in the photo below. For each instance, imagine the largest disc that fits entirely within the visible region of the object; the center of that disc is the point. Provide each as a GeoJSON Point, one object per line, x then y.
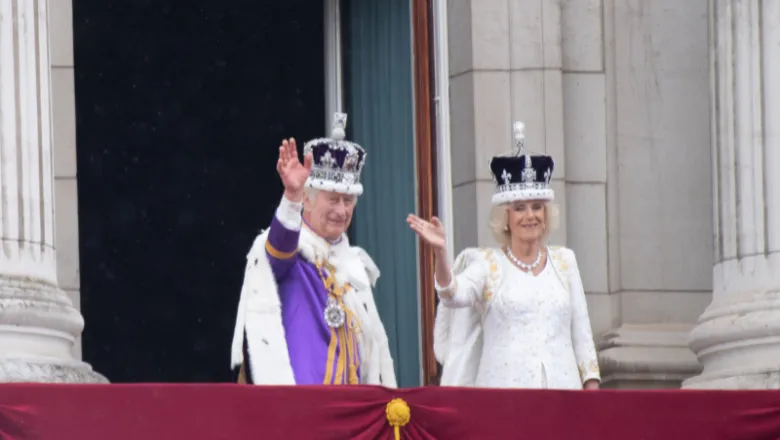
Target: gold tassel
{"type": "Point", "coordinates": [354, 354]}
{"type": "Point", "coordinates": [341, 363]}
{"type": "Point", "coordinates": [398, 415]}
{"type": "Point", "coordinates": [347, 340]}
{"type": "Point", "coordinates": [331, 356]}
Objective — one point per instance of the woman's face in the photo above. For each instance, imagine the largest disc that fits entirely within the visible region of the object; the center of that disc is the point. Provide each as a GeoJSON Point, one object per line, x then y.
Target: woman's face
{"type": "Point", "coordinates": [527, 220]}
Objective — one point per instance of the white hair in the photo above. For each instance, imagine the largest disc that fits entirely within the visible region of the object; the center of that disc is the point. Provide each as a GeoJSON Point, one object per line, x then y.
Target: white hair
{"type": "Point", "coordinates": [499, 222]}
{"type": "Point", "coordinates": [310, 196]}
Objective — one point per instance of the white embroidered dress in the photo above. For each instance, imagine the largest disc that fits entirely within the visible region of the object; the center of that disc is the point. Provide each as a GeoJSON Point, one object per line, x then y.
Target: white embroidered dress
{"type": "Point", "coordinates": [505, 328]}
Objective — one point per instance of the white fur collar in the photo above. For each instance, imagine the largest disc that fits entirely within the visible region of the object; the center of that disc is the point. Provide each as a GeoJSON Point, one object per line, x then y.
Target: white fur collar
{"type": "Point", "coordinates": [259, 312]}
{"type": "Point", "coordinates": [352, 264]}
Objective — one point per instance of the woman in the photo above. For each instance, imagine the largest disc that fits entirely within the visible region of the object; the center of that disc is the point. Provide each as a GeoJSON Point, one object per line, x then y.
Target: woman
{"type": "Point", "coordinates": [514, 316]}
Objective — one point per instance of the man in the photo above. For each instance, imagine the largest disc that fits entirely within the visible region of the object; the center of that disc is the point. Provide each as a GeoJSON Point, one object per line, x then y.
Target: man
{"type": "Point", "coordinates": [307, 313]}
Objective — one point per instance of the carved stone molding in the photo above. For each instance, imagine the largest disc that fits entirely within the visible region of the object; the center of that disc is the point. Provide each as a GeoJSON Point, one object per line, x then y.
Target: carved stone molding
{"type": "Point", "coordinates": [38, 303]}
{"type": "Point", "coordinates": [57, 372]}
{"type": "Point", "coordinates": [646, 356]}
{"type": "Point", "coordinates": [38, 327]}
{"type": "Point", "coordinates": [738, 336]}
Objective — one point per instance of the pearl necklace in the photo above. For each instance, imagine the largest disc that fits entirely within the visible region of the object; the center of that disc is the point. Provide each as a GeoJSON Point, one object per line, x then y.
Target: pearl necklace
{"type": "Point", "coordinates": [520, 264]}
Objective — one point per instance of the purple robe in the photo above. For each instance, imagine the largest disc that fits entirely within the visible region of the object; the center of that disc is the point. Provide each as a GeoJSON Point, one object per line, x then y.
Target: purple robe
{"type": "Point", "coordinates": [304, 298]}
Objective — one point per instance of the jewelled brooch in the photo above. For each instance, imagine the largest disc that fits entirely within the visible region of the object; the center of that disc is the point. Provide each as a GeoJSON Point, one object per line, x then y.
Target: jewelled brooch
{"type": "Point", "coordinates": [335, 316]}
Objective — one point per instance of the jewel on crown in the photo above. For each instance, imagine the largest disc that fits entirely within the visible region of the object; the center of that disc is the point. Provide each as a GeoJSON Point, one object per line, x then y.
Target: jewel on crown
{"type": "Point", "coordinates": [339, 127]}
{"type": "Point", "coordinates": [327, 160]}
{"type": "Point", "coordinates": [351, 160]}
{"type": "Point", "coordinates": [519, 132]}
{"type": "Point", "coordinates": [528, 177]}
{"type": "Point", "coordinates": [529, 173]}
{"type": "Point", "coordinates": [506, 177]}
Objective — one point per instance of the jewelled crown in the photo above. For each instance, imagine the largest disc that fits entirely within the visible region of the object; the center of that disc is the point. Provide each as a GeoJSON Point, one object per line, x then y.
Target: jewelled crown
{"type": "Point", "coordinates": [520, 175]}
{"type": "Point", "coordinates": [336, 163]}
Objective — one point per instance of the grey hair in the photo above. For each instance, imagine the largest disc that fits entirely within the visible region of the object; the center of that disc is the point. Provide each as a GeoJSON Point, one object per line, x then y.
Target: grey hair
{"type": "Point", "coordinates": [310, 194]}
{"type": "Point", "coordinates": [309, 197]}
{"type": "Point", "coordinates": [499, 222]}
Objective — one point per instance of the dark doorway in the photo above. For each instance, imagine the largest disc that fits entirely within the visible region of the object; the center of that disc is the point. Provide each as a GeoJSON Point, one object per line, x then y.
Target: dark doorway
{"type": "Point", "coordinates": [181, 107]}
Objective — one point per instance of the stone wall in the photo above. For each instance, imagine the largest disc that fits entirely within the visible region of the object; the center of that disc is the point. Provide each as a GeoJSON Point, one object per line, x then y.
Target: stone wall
{"type": "Point", "coordinates": [618, 93]}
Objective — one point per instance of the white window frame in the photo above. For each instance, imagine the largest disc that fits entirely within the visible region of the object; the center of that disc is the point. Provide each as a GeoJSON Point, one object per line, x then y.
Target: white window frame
{"type": "Point", "coordinates": [334, 101]}
{"type": "Point", "coordinates": [442, 100]}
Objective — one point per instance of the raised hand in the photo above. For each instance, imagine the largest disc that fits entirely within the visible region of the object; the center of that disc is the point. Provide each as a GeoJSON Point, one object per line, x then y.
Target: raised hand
{"type": "Point", "coordinates": [291, 171]}
{"type": "Point", "coordinates": [431, 232]}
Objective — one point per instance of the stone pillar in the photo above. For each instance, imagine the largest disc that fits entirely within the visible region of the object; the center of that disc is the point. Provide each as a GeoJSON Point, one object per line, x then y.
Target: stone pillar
{"type": "Point", "coordinates": [38, 324]}
{"type": "Point", "coordinates": [738, 337]}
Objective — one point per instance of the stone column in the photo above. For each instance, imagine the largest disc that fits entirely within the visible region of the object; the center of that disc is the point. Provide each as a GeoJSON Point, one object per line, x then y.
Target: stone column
{"type": "Point", "coordinates": [38, 324]}
{"type": "Point", "coordinates": [738, 337]}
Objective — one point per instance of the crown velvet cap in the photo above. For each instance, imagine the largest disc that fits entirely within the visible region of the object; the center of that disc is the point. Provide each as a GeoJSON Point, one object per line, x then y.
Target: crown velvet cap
{"type": "Point", "coordinates": [336, 163]}
{"type": "Point", "coordinates": [522, 176]}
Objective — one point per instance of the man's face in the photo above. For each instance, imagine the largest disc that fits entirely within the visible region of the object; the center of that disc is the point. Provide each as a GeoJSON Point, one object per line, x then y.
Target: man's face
{"type": "Point", "coordinates": [330, 213]}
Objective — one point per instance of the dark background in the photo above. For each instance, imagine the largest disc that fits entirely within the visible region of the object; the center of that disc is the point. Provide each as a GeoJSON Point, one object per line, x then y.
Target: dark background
{"type": "Point", "coordinates": [180, 109]}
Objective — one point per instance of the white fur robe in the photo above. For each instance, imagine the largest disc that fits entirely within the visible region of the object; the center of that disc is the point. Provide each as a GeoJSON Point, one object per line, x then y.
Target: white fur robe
{"type": "Point", "coordinates": [260, 314]}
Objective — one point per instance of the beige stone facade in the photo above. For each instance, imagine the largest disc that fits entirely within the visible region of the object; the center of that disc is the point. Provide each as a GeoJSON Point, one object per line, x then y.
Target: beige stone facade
{"type": "Point", "coordinates": [657, 112]}
{"type": "Point", "coordinates": [621, 93]}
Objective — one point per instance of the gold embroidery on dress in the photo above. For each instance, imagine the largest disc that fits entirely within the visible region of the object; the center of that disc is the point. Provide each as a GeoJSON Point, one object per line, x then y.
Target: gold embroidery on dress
{"type": "Point", "coordinates": [588, 369]}
{"type": "Point", "coordinates": [493, 275]}
{"type": "Point", "coordinates": [556, 255]}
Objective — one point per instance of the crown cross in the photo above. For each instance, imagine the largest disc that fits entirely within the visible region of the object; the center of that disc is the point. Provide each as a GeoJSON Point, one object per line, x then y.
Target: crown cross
{"type": "Point", "coordinates": [339, 127]}
{"type": "Point", "coordinates": [327, 160]}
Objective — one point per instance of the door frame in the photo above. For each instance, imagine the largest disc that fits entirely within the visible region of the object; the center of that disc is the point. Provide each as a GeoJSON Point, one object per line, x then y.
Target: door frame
{"type": "Point", "coordinates": [432, 139]}
{"type": "Point", "coordinates": [427, 105]}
